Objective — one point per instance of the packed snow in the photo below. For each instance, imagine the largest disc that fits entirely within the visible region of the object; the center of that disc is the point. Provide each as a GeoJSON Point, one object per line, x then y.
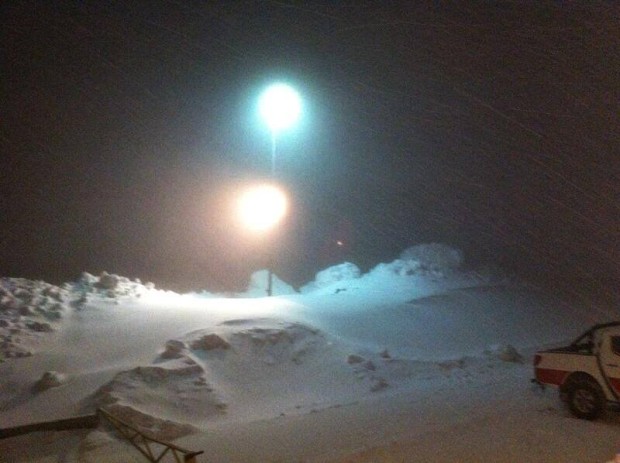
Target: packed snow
{"type": "Point", "coordinates": [416, 360]}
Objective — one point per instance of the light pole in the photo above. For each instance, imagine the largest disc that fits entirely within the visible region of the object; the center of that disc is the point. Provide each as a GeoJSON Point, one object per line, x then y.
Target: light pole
{"type": "Point", "coordinates": [261, 208]}
{"type": "Point", "coordinates": [280, 107]}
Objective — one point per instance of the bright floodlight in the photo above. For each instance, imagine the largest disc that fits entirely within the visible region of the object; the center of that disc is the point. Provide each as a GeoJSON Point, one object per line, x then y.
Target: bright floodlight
{"type": "Point", "coordinates": [279, 106]}
{"type": "Point", "coordinates": [262, 207]}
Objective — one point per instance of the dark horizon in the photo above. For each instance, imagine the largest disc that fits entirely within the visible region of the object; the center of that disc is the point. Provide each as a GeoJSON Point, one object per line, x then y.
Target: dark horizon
{"type": "Point", "coordinates": [125, 129]}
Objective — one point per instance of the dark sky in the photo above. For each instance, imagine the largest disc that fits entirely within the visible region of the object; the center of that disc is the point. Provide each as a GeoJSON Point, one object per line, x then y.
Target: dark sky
{"type": "Point", "coordinates": [126, 128]}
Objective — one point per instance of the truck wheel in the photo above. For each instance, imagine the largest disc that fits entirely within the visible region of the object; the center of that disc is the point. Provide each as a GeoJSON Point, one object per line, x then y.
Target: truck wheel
{"type": "Point", "coordinates": [585, 399]}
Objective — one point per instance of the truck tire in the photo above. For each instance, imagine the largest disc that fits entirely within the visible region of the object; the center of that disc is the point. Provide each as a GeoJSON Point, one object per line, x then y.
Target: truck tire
{"type": "Point", "coordinates": [585, 398]}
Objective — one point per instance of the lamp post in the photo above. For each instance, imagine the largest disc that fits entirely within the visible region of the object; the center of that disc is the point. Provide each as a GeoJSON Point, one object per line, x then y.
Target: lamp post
{"type": "Point", "coordinates": [261, 208]}
{"type": "Point", "coordinates": [280, 107]}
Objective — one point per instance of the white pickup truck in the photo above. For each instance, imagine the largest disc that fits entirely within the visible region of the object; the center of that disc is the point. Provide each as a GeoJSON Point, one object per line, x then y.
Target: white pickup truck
{"type": "Point", "coordinates": [587, 372]}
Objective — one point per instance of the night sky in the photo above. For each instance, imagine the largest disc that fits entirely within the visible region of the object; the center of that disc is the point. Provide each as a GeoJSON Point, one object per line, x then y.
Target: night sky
{"type": "Point", "coordinates": [126, 127]}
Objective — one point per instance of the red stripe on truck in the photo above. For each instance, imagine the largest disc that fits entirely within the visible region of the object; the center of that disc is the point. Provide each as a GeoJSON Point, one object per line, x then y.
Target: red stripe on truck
{"type": "Point", "coordinates": [615, 383]}
{"type": "Point", "coordinates": [550, 376]}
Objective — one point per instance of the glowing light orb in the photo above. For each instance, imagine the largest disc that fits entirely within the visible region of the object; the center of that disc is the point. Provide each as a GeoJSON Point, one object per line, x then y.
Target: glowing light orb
{"type": "Point", "coordinates": [262, 207]}
{"type": "Point", "coordinates": [279, 106]}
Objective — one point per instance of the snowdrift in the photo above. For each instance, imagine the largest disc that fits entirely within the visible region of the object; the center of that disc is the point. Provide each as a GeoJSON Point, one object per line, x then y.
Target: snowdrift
{"type": "Point", "coordinates": [175, 365]}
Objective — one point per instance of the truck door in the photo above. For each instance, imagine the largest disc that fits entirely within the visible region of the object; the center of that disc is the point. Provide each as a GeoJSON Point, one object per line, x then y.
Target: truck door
{"type": "Point", "coordinates": [610, 359]}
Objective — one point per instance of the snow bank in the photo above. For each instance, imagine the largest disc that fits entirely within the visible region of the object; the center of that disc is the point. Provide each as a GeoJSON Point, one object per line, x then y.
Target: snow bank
{"type": "Point", "coordinates": [252, 367]}
{"type": "Point", "coordinates": [110, 285]}
{"type": "Point", "coordinates": [28, 310]}
{"type": "Point", "coordinates": [31, 309]}
{"type": "Point", "coordinates": [436, 257]}
{"type": "Point", "coordinates": [175, 365]}
{"type": "Point", "coordinates": [331, 275]}
{"type": "Point", "coordinates": [433, 260]}
{"type": "Point", "coordinates": [21, 297]}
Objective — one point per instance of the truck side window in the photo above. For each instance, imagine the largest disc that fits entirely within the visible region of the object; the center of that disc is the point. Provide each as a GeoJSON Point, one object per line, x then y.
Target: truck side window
{"type": "Point", "coordinates": [615, 344]}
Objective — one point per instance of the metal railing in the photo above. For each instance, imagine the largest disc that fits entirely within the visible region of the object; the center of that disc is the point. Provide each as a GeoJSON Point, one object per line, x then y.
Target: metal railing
{"type": "Point", "coordinates": [146, 445]}
{"type": "Point", "coordinates": [78, 422]}
{"type": "Point", "coordinates": [152, 449]}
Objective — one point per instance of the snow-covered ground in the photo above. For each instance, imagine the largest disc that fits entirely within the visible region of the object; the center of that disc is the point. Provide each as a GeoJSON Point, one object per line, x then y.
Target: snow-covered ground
{"type": "Point", "coordinates": [400, 364]}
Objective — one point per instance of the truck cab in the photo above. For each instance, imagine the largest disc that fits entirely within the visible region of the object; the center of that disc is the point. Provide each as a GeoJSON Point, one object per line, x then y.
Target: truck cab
{"type": "Point", "coordinates": [586, 372]}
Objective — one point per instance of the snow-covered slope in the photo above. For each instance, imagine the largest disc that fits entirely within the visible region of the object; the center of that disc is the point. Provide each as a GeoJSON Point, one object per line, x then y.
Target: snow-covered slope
{"type": "Point", "coordinates": [177, 365]}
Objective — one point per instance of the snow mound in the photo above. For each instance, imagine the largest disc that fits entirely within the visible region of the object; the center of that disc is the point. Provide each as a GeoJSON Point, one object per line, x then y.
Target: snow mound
{"type": "Point", "coordinates": [275, 344]}
{"type": "Point", "coordinates": [210, 341]}
{"type": "Point", "coordinates": [398, 267]}
{"type": "Point", "coordinates": [272, 367]}
{"type": "Point", "coordinates": [20, 297]}
{"type": "Point", "coordinates": [198, 341]}
{"type": "Point", "coordinates": [435, 257]}
{"type": "Point", "coordinates": [505, 353]}
{"type": "Point", "coordinates": [28, 309]}
{"type": "Point", "coordinates": [48, 380]}
{"type": "Point", "coordinates": [110, 285]}
{"type": "Point", "coordinates": [331, 275]}
{"type": "Point", "coordinates": [366, 369]}
{"type": "Point", "coordinates": [174, 349]}
{"type": "Point", "coordinates": [161, 399]}
{"type": "Point", "coordinates": [256, 340]}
